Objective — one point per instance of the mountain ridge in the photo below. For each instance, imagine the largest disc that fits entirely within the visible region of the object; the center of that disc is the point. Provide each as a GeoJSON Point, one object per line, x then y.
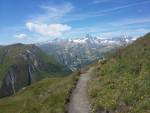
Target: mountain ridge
{"type": "Point", "coordinates": [77, 53]}
{"type": "Point", "coordinates": [22, 65]}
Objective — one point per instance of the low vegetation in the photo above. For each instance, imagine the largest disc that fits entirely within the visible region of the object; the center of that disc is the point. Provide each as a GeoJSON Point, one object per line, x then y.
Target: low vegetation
{"type": "Point", "coordinates": [47, 96]}
{"type": "Point", "coordinates": [121, 84]}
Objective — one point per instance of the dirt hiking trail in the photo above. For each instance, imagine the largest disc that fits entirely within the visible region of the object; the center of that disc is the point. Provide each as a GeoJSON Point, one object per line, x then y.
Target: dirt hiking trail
{"type": "Point", "coordinates": [79, 102]}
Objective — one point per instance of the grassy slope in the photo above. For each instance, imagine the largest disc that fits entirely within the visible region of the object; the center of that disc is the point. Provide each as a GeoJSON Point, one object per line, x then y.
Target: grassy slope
{"type": "Point", "coordinates": [122, 84]}
{"type": "Point", "coordinates": [12, 55]}
{"type": "Point", "coordinates": [46, 96]}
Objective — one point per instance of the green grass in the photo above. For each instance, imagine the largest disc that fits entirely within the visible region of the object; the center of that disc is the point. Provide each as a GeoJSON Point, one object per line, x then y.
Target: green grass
{"type": "Point", "coordinates": [122, 83]}
{"type": "Point", "coordinates": [12, 54]}
{"type": "Point", "coordinates": [46, 96]}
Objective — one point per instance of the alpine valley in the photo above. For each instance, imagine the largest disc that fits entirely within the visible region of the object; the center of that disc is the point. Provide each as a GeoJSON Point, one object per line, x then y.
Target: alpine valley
{"type": "Point", "coordinates": [21, 65]}
{"type": "Point", "coordinates": [79, 52]}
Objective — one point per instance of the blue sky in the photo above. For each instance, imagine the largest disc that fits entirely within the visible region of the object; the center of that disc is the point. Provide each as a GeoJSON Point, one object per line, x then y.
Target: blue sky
{"type": "Point", "coordinates": [30, 21]}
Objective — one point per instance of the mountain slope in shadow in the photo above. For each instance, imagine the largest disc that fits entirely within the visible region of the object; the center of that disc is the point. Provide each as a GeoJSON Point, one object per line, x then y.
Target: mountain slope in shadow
{"type": "Point", "coordinates": [22, 65]}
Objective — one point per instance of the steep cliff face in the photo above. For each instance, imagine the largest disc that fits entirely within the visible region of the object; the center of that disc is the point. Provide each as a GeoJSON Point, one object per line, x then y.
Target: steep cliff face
{"type": "Point", "coordinates": [22, 65]}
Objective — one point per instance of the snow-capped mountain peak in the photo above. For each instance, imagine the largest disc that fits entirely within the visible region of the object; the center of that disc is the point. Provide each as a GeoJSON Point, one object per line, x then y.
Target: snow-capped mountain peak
{"type": "Point", "coordinates": [72, 52]}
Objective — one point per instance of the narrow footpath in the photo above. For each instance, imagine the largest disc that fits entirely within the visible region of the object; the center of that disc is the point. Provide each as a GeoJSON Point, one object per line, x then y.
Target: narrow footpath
{"type": "Point", "coordinates": [79, 102]}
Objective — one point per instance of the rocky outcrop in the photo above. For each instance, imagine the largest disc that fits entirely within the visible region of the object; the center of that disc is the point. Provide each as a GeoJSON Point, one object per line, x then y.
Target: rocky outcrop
{"type": "Point", "coordinates": [12, 77]}
{"type": "Point", "coordinates": [8, 84]}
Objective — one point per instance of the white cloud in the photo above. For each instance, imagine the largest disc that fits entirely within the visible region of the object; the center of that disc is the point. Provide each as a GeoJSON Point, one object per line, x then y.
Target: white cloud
{"type": "Point", "coordinates": [100, 1]}
{"type": "Point", "coordinates": [44, 24]}
{"type": "Point", "coordinates": [131, 21]}
{"type": "Point", "coordinates": [124, 6]}
{"type": "Point", "coordinates": [48, 30]}
{"type": "Point", "coordinates": [21, 36]}
{"type": "Point", "coordinates": [131, 32]}
{"type": "Point", "coordinates": [52, 13]}
{"type": "Point", "coordinates": [98, 13]}
{"type": "Point", "coordinates": [64, 12]}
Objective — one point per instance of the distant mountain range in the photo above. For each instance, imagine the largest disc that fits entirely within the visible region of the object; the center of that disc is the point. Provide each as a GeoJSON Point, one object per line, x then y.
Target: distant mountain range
{"type": "Point", "coordinates": [76, 53]}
